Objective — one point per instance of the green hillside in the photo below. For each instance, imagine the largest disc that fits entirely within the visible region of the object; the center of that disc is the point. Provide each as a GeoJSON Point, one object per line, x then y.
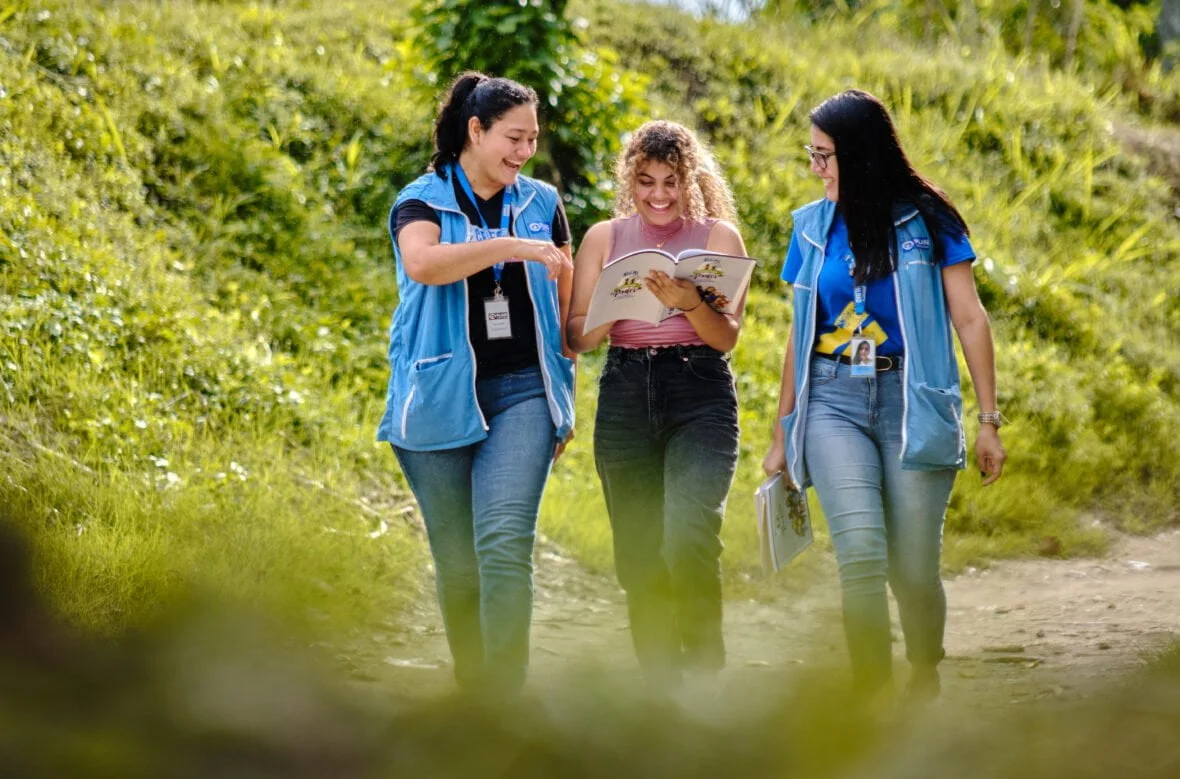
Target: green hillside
{"type": "Point", "coordinates": [196, 282]}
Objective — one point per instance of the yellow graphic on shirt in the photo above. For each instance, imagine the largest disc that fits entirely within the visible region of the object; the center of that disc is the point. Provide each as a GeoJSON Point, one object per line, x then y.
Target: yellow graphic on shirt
{"type": "Point", "coordinates": [846, 324]}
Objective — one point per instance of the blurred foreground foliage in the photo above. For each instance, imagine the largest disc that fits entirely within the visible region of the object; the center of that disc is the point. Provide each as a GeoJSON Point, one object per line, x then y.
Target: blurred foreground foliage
{"type": "Point", "coordinates": [200, 693]}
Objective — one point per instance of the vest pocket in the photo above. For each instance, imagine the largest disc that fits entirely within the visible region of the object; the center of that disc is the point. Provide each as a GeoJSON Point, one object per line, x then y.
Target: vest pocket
{"type": "Point", "coordinates": [424, 409]}
{"type": "Point", "coordinates": [426, 363]}
{"type": "Point", "coordinates": [935, 430]}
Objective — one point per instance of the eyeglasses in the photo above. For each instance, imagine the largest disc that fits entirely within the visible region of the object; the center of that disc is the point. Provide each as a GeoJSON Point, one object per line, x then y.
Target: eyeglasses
{"type": "Point", "coordinates": [820, 158]}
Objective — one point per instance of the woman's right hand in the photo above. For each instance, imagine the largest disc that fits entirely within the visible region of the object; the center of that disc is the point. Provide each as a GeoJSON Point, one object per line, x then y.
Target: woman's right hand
{"type": "Point", "coordinates": [544, 252]}
{"type": "Point", "coordinates": [775, 460]}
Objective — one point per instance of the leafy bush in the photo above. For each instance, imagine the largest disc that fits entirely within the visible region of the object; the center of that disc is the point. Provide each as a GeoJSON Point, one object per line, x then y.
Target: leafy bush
{"type": "Point", "coordinates": [587, 100]}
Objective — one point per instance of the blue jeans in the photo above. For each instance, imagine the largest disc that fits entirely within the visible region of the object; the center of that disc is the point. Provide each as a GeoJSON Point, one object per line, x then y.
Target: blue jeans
{"type": "Point", "coordinates": [480, 506]}
{"type": "Point", "coordinates": [666, 445]}
{"type": "Point", "coordinates": [886, 522]}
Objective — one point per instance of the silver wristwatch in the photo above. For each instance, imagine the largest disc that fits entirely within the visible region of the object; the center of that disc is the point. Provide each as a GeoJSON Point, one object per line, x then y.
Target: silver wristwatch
{"type": "Point", "coordinates": [991, 418]}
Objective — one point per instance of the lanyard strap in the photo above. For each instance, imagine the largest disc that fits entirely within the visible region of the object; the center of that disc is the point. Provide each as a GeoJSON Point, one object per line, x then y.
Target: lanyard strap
{"type": "Point", "coordinates": [505, 213]}
{"type": "Point", "coordinates": [859, 293]}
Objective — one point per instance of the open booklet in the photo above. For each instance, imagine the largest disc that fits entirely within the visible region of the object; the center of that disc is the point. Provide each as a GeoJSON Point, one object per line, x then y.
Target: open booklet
{"type": "Point", "coordinates": [619, 294]}
{"type": "Point", "coordinates": [784, 523]}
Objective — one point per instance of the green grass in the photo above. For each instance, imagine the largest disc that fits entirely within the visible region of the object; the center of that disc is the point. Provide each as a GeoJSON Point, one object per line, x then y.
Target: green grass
{"type": "Point", "coordinates": [195, 286]}
{"type": "Point", "coordinates": [239, 519]}
{"type": "Point", "coordinates": [193, 320]}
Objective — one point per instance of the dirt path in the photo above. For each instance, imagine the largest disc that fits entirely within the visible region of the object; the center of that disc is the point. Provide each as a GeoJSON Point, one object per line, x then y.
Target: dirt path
{"type": "Point", "coordinates": [1020, 630]}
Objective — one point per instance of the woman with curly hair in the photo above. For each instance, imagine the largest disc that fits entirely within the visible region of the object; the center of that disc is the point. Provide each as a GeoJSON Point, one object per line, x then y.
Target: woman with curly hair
{"type": "Point", "coordinates": [666, 432]}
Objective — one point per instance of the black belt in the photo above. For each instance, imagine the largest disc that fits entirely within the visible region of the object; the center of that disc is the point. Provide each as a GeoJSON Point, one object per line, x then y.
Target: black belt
{"type": "Point", "coordinates": [677, 350]}
{"type": "Point", "coordinates": [884, 362]}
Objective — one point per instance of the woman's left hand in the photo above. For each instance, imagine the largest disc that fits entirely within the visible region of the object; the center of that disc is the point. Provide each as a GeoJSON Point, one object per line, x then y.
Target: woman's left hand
{"type": "Point", "coordinates": [673, 293]}
{"type": "Point", "coordinates": [989, 454]}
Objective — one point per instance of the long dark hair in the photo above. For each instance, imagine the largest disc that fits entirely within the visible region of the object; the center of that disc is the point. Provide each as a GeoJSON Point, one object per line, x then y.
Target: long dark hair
{"type": "Point", "coordinates": [472, 94]}
{"type": "Point", "coordinates": [874, 175]}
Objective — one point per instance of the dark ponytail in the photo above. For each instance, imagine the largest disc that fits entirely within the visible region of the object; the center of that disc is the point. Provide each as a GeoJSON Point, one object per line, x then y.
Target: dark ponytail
{"type": "Point", "coordinates": [472, 94]}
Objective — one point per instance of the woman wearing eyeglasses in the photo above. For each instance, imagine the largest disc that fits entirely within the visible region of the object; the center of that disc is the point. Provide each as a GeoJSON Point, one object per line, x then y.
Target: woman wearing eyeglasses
{"type": "Point", "coordinates": [885, 256]}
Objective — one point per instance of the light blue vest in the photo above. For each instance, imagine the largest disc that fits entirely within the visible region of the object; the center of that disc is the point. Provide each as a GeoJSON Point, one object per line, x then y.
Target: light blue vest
{"type": "Point", "coordinates": [932, 426]}
{"type": "Point", "coordinates": [431, 402]}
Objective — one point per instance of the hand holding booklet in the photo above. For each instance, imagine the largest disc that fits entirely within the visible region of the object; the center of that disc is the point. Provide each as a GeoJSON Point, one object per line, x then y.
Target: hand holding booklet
{"type": "Point", "coordinates": [619, 294]}
{"type": "Point", "coordinates": [784, 523]}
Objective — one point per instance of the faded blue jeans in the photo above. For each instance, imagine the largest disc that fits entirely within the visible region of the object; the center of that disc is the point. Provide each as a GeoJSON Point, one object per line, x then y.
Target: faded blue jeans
{"type": "Point", "coordinates": [480, 505]}
{"type": "Point", "coordinates": [666, 446]}
{"type": "Point", "coordinates": [886, 522]}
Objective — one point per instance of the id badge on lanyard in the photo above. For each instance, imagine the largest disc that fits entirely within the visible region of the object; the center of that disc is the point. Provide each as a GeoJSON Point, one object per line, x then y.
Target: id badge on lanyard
{"type": "Point", "coordinates": [496, 314]}
{"type": "Point", "coordinates": [862, 351]}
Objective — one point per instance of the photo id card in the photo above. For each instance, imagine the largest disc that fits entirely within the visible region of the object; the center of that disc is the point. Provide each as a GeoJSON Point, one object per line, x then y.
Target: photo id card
{"type": "Point", "coordinates": [864, 357]}
{"type": "Point", "coordinates": [497, 318]}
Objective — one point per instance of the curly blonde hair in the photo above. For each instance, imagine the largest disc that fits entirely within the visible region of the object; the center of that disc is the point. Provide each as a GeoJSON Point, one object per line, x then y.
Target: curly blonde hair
{"type": "Point", "coordinates": [704, 191]}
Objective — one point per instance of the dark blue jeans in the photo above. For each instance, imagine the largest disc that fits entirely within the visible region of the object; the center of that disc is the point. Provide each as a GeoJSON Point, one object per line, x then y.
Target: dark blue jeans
{"type": "Point", "coordinates": [480, 506]}
{"type": "Point", "coordinates": [666, 446]}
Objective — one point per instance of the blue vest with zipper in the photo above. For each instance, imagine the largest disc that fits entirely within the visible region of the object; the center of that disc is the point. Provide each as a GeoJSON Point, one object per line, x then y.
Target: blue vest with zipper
{"type": "Point", "coordinates": [431, 402]}
{"type": "Point", "coordinates": [932, 427]}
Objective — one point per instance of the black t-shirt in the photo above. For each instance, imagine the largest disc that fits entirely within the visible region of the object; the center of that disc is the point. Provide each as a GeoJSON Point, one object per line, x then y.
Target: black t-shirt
{"type": "Point", "coordinates": [505, 355]}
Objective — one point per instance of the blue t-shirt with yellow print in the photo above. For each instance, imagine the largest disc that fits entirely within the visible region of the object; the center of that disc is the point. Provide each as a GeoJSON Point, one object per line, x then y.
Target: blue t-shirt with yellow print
{"type": "Point", "coordinates": [836, 319]}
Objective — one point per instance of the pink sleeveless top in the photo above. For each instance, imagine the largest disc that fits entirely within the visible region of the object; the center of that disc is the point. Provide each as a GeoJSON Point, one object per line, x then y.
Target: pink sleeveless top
{"type": "Point", "coordinates": [631, 234]}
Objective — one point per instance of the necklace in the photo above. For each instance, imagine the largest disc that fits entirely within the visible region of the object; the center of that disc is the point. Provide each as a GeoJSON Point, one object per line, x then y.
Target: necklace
{"type": "Point", "coordinates": [658, 235]}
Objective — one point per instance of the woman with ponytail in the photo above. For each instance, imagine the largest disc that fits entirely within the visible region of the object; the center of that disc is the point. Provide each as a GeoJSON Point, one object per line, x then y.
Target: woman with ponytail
{"type": "Point", "coordinates": [481, 391]}
{"type": "Point", "coordinates": [666, 433]}
{"type": "Point", "coordinates": [882, 267]}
